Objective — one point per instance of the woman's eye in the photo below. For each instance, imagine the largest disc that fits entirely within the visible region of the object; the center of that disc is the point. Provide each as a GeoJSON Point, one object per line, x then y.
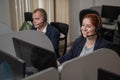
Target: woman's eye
{"type": "Point", "coordinates": [88, 26]}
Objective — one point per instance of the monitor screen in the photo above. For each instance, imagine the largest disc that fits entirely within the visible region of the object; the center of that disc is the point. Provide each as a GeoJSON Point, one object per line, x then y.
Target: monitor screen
{"type": "Point", "coordinates": [110, 12]}
{"type": "Point", "coordinates": [33, 55]}
{"type": "Point", "coordinates": [107, 75]}
{"type": "Point", "coordinates": [11, 68]}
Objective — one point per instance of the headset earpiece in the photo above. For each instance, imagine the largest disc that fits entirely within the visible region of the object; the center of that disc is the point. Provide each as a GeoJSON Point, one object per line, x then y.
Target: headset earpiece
{"type": "Point", "coordinates": [99, 26]}
{"type": "Point", "coordinates": [45, 19]}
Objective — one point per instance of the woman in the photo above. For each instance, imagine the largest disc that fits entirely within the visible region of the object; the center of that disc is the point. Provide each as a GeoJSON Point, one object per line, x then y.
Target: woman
{"type": "Point", "coordinates": [89, 41]}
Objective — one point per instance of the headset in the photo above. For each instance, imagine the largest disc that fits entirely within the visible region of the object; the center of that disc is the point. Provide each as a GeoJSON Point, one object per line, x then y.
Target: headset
{"type": "Point", "coordinates": [84, 12]}
{"type": "Point", "coordinates": [45, 19]}
{"type": "Point", "coordinates": [99, 26]}
{"type": "Point", "coordinates": [44, 15]}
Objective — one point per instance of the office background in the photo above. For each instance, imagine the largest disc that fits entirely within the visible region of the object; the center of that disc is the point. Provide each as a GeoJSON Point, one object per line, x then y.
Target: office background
{"type": "Point", "coordinates": [67, 11]}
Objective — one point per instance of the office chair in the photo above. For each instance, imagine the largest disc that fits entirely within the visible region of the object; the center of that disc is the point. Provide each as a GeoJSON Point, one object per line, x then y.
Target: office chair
{"type": "Point", "coordinates": [63, 28]}
{"type": "Point", "coordinates": [118, 23]}
{"type": "Point", "coordinates": [117, 32]}
{"type": "Point", "coordinates": [115, 47]}
{"type": "Point", "coordinates": [85, 12]}
{"type": "Point", "coordinates": [28, 16]}
{"type": "Point", "coordinates": [27, 25]}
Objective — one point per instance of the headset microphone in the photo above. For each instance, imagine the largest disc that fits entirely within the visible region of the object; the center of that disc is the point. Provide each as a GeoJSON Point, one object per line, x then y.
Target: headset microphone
{"type": "Point", "coordinates": [91, 35]}
{"type": "Point", "coordinates": [44, 20]}
{"type": "Point", "coordinates": [40, 24]}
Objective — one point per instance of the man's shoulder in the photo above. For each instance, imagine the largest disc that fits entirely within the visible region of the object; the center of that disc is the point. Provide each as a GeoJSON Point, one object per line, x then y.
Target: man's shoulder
{"type": "Point", "coordinates": [53, 29]}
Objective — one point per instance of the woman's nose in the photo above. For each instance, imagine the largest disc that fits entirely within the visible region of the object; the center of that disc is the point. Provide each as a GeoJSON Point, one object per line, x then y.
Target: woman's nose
{"type": "Point", "coordinates": [84, 28]}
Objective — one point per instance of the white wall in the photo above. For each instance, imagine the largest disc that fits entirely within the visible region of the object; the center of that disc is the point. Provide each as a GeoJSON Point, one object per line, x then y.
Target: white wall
{"type": "Point", "coordinates": [77, 5]}
{"type": "Point", "coordinates": [74, 7]}
{"type": "Point", "coordinates": [4, 12]}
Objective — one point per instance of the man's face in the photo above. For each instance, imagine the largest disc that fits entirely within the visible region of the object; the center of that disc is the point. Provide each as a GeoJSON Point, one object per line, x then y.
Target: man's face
{"type": "Point", "coordinates": [37, 19]}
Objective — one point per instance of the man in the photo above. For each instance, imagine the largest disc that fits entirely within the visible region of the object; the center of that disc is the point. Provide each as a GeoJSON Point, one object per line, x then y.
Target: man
{"type": "Point", "coordinates": [40, 24]}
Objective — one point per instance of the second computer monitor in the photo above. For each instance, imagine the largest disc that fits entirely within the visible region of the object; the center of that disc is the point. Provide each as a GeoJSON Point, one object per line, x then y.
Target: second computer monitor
{"type": "Point", "coordinates": [11, 68]}
{"type": "Point", "coordinates": [110, 12]}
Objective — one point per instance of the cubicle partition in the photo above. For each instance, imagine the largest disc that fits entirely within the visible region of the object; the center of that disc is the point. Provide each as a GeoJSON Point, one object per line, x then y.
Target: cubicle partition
{"type": "Point", "coordinates": [86, 68]}
{"type": "Point", "coordinates": [4, 28]}
{"type": "Point", "coordinates": [80, 68]}
{"type": "Point", "coordinates": [32, 37]}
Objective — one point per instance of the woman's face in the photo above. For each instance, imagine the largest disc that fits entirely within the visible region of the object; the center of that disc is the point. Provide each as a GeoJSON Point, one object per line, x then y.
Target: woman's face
{"type": "Point", "coordinates": [87, 28]}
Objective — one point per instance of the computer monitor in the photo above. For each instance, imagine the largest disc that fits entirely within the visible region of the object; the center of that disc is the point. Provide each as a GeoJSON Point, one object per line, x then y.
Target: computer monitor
{"type": "Point", "coordinates": [11, 68]}
{"type": "Point", "coordinates": [33, 55]}
{"type": "Point", "coordinates": [110, 12]}
{"type": "Point", "coordinates": [107, 75]}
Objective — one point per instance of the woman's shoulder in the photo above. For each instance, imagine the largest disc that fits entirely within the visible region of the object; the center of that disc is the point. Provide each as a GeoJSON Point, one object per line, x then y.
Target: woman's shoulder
{"type": "Point", "coordinates": [103, 41]}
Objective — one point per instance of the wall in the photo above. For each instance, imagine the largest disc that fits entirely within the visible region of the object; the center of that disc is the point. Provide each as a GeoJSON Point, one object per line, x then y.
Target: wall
{"type": "Point", "coordinates": [77, 5]}
{"type": "Point", "coordinates": [108, 2]}
{"type": "Point", "coordinates": [74, 7]}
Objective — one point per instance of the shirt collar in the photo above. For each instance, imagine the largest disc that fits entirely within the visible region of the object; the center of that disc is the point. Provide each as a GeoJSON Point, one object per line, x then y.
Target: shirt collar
{"type": "Point", "coordinates": [45, 29]}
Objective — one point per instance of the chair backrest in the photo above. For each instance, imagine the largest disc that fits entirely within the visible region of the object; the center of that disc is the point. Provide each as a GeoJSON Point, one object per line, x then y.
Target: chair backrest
{"type": "Point", "coordinates": [84, 12]}
{"type": "Point", "coordinates": [27, 24]}
{"type": "Point", "coordinates": [118, 23]}
{"type": "Point", "coordinates": [115, 47]}
{"type": "Point", "coordinates": [63, 28]}
{"type": "Point", "coordinates": [28, 16]}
